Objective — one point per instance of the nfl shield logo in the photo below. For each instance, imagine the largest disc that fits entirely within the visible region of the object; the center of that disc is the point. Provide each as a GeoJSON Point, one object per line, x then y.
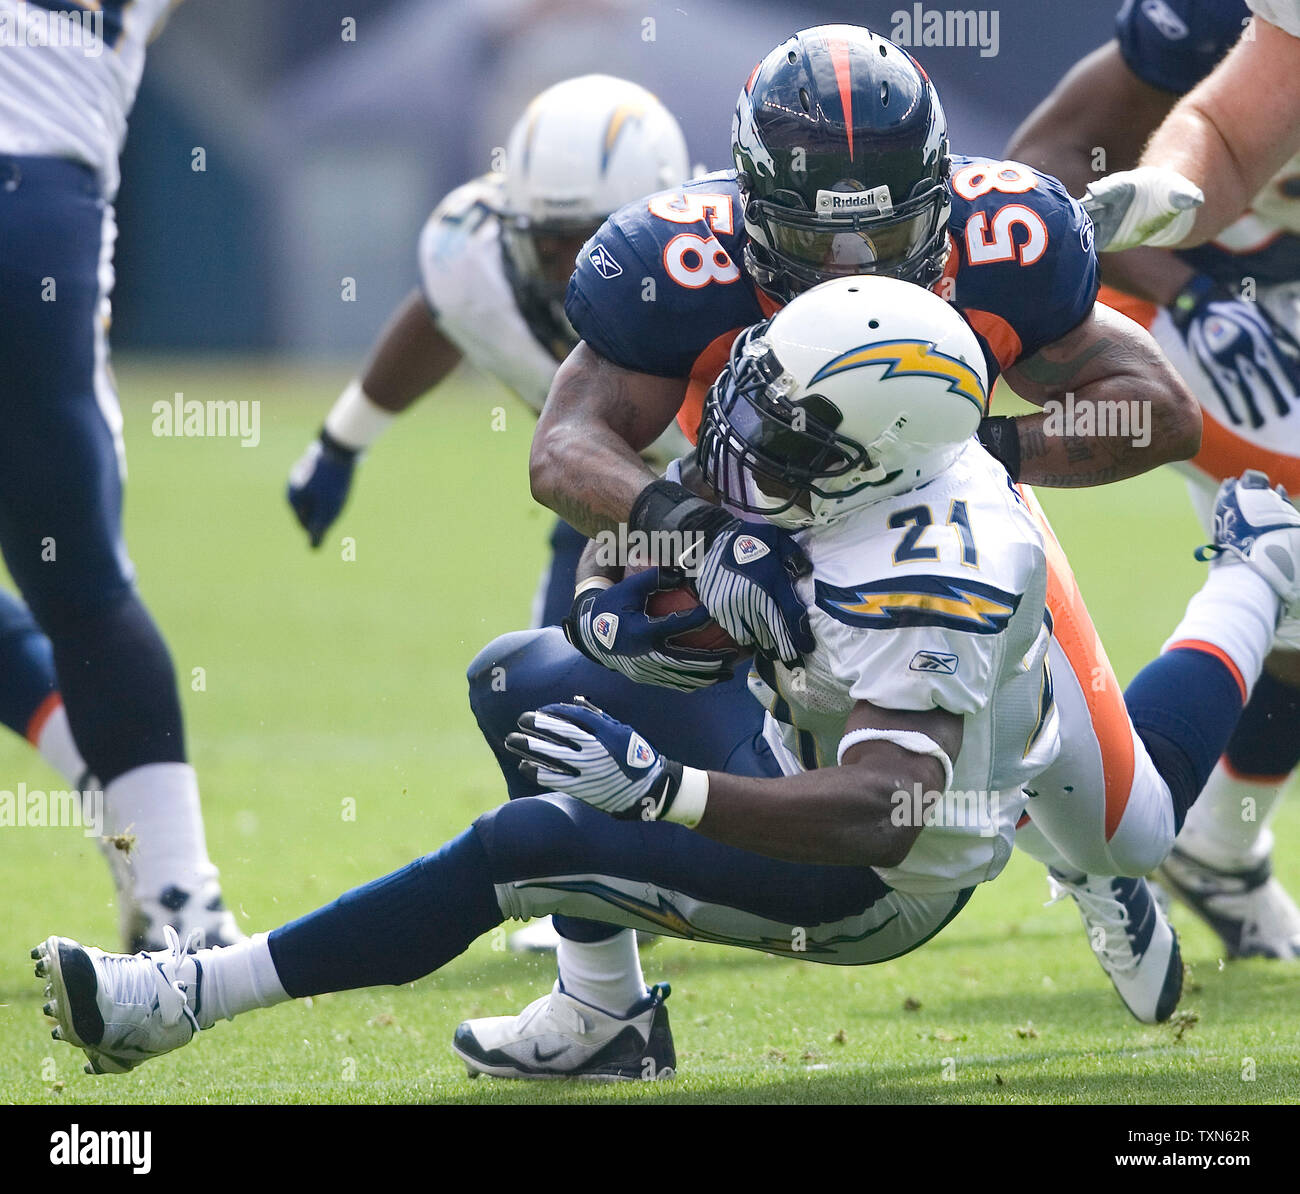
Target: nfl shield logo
{"type": "Point", "coordinates": [748, 549]}
{"type": "Point", "coordinates": [605, 628]}
{"type": "Point", "coordinates": [639, 753]}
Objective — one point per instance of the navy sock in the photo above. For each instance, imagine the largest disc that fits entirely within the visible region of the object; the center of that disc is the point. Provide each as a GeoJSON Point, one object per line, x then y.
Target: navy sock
{"type": "Point", "coordinates": [1266, 742]}
{"type": "Point", "coordinates": [1184, 706]}
{"type": "Point", "coordinates": [392, 930]}
{"type": "Point", "coordinates": [116, 676]}
{"type": "Point", "coordinates": [26, 663]}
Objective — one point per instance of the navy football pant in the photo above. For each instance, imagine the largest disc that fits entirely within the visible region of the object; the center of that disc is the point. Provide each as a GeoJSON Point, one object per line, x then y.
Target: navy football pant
{"type": "Point", "coordinates": [554, 854]}
{"type": "Point", "coordinates": [61, 469]}
{"type": "Point", "coordinates": [715, 729]}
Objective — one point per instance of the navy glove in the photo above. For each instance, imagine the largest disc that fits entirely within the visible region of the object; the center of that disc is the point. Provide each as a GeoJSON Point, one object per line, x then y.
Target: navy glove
{"type": "Point", "coordinates": [610, 627]}
{"type": "Point", "coordinates": [581, 750]}
{"type": "Point", "coordinates": [746, 581]}
{"type": "Point", "coordinates": [319, 484]}
{"type": "Point", "coordinates": [1252, 360]}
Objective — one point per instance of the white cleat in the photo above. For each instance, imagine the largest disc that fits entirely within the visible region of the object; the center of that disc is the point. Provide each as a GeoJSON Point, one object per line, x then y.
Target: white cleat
{"type": "Point", "coordinates": [119, 1009]}
{"type": "Point", "coordinates": [557, 1036]}
{"type": "Point", "coordinates": [1132, 938]}
{"type": "Point", "coordinates": [539, 937]}
{"type": "Point", "coordinates": [1258, 526]}
{"type": "Point", "coordinates": [200, 917]}
{"type": "Point", "coordinates": [1249, 909]}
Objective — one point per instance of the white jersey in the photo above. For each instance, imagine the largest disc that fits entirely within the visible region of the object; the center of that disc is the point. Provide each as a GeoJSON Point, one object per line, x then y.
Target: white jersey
{"type": "Point", "coordinates": [69, 73]}
{"type": "Point", "coordinates": [465, 284]}
{"type": "Point", "coordinates": [932, 599]}
{"type": "Point", "coordinates": [1285, 14]}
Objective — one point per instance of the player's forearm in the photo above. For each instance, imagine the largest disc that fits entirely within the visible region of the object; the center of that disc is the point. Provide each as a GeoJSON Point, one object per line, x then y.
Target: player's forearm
{"type": "Point", "coordinates": [410, 357]}
{"type": "Point", "coordinates": [1113, 407]}
{"type": "Point", "coordinates": [584, 463]}
{"type": "Point", "coordinates": [834, 816]}
{"type": "Point", "coordinates": [1223, 138]}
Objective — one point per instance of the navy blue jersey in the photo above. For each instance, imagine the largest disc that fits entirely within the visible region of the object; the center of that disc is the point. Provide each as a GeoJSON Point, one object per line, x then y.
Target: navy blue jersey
{"type": "Point", "coordinates": [1174, 44]}
{"type": "Point", "coordinates": [661, 288]}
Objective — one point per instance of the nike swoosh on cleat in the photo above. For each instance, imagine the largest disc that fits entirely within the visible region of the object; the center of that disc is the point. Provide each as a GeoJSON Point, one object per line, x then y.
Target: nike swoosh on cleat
{"type": "Point", "coordinates": [538, 1055]}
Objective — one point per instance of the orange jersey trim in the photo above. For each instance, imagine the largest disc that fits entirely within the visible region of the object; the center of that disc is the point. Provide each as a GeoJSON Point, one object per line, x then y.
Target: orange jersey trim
{"type": "Point", "coordinates": [1138, 310]}
{"type": "Point", "coordinates": [1001, 336]}
{"type": "Point", "coordinates": [1073, 629]}
{"type": "Point", "coordinates": [1196, 644]}
{"type": "Point", "coordinates": [44, 711]}
{"type": "Point", "coordinates": [1225, 454]}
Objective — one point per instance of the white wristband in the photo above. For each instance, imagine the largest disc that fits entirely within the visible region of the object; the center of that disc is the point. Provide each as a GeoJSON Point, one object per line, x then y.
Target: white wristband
{"type": "Point", "coordinates": [692, 796]}
{"type": "Point", "coordinates": [910, 740]}
{"type": "Point", "coordinates": [356, 420]}
{"type": "Point", "coordinates": [592, 582]}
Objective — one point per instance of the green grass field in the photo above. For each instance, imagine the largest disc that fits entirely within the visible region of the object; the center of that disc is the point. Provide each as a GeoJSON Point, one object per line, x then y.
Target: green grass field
{"type": "Point", "coordinates": [326, 679]}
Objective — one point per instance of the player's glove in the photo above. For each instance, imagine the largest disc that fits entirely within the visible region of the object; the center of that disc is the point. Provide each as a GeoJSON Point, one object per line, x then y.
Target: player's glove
{"type": "Point", "coordinates": [746, 582]}
{"type": "Point", "coordinates": [610, 627]}
{"type": "Point", "coordinates": [1252, 360]}
{"type": "Point", "coordinates": [1147, 206]}
{"type": "Point", "coordinates": [581, 750]}
{"type": "Point", "coordinates": [746, 571]}
{"type": "Point", "coordinates": [319, 484]}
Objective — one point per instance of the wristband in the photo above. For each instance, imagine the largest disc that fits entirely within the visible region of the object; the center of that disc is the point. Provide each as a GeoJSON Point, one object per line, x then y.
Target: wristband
{"type": "Point", "coordinates": [668, 506]}
{"type": "Point", "coordinates": [592, 582]}
{"type": "Point", "coordinates": [685, 795]}
{"type": "Point", "coordinates": [910, 740]}
{"type": "Point", "coordinates": [356, 420]}
{"type": "Point", "coordinates": [1000, 435]}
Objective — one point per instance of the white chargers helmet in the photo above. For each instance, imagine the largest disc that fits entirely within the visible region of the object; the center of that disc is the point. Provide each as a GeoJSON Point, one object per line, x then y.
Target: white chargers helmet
{"type": "Point", "coordinates": [581, 150]}
{"type": "Point", "coordinates": [859, 389]}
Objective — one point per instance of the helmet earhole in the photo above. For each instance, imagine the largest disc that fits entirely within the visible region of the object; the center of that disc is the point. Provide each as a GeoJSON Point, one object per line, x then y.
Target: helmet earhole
{"type": "Point", "coordinates": [884, 95]}
{"type": "Point", "coordinates": [803, 99]}
{"type": "Point", "coordinates": [873, 324]}
{"type": "Point", "coordinates": [791, 57]}
{"type": "Point", "coordinates": [884, 53]}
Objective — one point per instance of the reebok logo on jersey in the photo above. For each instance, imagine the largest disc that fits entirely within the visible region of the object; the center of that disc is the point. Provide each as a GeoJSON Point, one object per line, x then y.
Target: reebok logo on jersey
{"type": "Point", "coordinates": [747, 549]}
{"type": "Point", "coordinates": [934, 661]}
{"type": "Point", "coordinates": [1168, 22]}
{"type": "Point", "coordinates": [605, 628]}
{"type": "Point", "coordinates": [639, 753]}
{"type": "Point", "coordinates": [604, 262]}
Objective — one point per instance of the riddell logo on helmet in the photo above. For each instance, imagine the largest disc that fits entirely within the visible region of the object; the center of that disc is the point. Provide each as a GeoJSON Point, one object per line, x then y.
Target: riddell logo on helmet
{"type": "Point", "coordinates": [876, 202]}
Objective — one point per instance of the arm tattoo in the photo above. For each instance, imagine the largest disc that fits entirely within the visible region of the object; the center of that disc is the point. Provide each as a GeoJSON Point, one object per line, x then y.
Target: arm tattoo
{"type": "Point", "coordinates": [1055, 374]}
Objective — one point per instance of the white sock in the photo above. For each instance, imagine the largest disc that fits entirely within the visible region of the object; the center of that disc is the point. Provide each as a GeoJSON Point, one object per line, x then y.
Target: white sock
{"type": "Point", "coordinates": [1236, 611]}
{"type": "Point", "coordinates": [53, 739]}
{"type": "Point", "coordinates": [1227, 827]}
{"type": "Point", "coordinates": [227, 980]}
{"type": "Point", "coordinates": [605, 974]}
{"type": "Point", "coordinates": [158, 805]}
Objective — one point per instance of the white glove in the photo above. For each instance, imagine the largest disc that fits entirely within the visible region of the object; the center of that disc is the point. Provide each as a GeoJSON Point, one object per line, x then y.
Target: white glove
{"type": "Point", "coordinates": [1149, 206]}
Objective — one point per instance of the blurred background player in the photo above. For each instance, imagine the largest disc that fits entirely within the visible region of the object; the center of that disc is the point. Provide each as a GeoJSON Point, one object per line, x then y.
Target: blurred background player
{"type": "Point", "coordinates": [84, 639]}
{"type": "Point", "coordinates": [1233, 132]}
{"type": "Point", "coordinates": [495, 258]}
{"type": "Point", "coordinates": [1227, 316]}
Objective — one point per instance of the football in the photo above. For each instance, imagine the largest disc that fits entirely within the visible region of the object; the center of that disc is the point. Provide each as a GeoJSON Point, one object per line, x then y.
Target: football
{"type": "Point", "coordinates": [709, 637]}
